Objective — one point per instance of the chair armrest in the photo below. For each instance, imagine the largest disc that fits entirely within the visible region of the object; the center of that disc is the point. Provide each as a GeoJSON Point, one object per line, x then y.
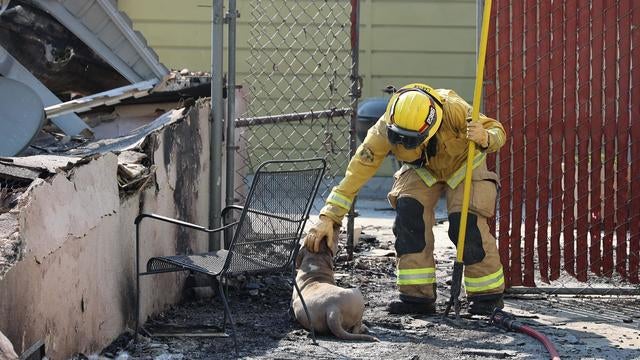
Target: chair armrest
{"type": "Point", "coordinates": [140, 217]}
{"type": "Point", "coordinates": [231, 207]}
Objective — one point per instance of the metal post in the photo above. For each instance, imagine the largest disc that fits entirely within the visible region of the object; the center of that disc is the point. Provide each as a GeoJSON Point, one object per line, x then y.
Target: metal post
{"type": "Point", "coordinates": [479, 12]}
{"type": "Point", "coordinates": [217, 104]}
{"type": "Point", "coordinates": [355, 95]}
{"type": "Point", "coordinates": [231, 107]}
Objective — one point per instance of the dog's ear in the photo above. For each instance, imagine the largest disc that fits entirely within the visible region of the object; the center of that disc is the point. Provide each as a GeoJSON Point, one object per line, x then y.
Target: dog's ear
{"type": "Point", "coordinates": [336, 239]}
{"type": "Point", "coordinates": [301, 252]}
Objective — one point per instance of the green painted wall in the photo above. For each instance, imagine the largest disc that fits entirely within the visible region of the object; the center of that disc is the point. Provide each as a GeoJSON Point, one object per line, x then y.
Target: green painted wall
{"type": "Point", "coordinates": [402, 41]}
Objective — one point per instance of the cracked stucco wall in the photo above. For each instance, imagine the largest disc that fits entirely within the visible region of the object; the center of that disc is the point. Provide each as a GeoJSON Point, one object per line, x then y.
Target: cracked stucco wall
{"type": "Point", "coordinates": [74, 286]}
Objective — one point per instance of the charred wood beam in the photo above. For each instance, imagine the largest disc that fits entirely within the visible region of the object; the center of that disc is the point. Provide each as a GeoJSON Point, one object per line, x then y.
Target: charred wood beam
{"type": "Point", "coordinates": [53, 54]}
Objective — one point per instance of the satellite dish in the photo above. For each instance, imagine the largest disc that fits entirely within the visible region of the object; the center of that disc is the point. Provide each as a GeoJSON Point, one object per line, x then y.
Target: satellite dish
{"type": "Point", "coordinates": [4, 4]}
{"type": "Point", "coordinates": [21, 116]}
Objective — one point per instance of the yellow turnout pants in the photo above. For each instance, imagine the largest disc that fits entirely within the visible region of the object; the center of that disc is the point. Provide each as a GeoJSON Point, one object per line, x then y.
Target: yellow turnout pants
{"type": "Point", "coordinates": [414, 203]}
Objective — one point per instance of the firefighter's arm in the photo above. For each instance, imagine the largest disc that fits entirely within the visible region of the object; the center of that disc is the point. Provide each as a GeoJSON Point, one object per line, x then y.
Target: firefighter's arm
{"type": "Point", "coordinates": [361, 168]}
{"type": "Point", "coordinates": [488, 133]}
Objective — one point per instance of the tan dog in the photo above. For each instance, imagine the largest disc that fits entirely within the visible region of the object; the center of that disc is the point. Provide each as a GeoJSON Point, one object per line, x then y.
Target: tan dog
{"type": "Point", "coordinates": [332, 308]}
{"type": "Point", "coordinates": [6, 349]}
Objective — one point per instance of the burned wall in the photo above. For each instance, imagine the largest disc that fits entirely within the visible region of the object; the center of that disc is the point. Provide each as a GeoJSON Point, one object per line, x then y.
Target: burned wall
{"type": "Point", "coordinates": [182, 151]}
{"type": "Point", "coordinates": [73, 286]}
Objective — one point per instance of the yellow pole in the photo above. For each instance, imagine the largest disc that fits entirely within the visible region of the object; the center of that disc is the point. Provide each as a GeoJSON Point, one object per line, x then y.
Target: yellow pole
{"type": "Point", "coordinates": [477, 94]}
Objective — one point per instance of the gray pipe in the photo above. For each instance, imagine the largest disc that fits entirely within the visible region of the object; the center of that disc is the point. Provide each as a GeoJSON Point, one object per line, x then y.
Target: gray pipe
{"type": "Point", "coordinates": [613, 291]}
{"type": "Point", "coordinates": [355, 95]}
{"type": "Point", "coordinates": [231, 107]}
{"type": "Point", "coordinates": [217, 106]}
{"type": "Point", "coordinates": [293, 117]}
{"type": "Point", "coordinates": [479, 14]}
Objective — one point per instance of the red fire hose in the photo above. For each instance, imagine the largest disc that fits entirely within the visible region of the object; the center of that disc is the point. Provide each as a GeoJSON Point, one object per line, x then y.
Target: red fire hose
{"type": "Point", "coordinates": [506, 321]}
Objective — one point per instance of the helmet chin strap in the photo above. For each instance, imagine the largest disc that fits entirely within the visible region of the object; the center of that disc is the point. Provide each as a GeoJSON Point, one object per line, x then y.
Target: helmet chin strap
{"type": "Point", "coordinates": [432, 147]}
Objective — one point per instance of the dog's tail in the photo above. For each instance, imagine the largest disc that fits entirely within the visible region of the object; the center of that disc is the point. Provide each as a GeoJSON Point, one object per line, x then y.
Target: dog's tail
{"type": "Point", "coordinates": [334, 322]}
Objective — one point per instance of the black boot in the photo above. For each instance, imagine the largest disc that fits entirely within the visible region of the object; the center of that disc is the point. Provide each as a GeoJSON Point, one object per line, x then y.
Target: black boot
{"type": "Point", "coordinates": [408, 305]}
{"type": "Point", "coordinates": [485, 304]}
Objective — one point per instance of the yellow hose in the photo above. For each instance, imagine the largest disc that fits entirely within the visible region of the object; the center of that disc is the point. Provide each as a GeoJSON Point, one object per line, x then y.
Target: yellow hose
{"type": "Point", "coordinates": [477, 94]}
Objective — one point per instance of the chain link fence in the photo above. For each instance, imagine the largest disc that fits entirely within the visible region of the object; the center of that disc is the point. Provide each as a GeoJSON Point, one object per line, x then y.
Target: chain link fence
{"type": "Point", "coordinates": [563, 77]}
{"type": "Point", "coordinates": [299, 88]}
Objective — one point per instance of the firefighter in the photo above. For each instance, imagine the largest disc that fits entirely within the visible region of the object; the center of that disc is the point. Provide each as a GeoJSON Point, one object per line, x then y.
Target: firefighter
{"type": "Point", "coordinates": [428, 130]}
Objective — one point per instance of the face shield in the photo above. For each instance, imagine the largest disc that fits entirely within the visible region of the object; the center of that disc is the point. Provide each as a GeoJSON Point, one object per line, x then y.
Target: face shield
{"type": "Point", "coordinates": [407, 138]}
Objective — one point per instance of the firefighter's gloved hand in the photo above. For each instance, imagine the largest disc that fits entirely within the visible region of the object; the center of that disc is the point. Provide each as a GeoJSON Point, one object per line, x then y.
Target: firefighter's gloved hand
{"type": "Point", "coordinates": [324, 229]}
{"type": "Point", "coordinates": [477, 133]}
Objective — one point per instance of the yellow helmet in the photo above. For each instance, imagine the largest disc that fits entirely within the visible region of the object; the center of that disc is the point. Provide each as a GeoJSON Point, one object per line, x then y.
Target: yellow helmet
{"type": "Point", "coordinates": [413, 115]}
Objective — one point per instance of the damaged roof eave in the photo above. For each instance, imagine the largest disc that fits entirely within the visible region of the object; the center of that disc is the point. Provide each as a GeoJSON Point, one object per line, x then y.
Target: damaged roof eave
{"type": "Point", "coordinates": [110, 97]}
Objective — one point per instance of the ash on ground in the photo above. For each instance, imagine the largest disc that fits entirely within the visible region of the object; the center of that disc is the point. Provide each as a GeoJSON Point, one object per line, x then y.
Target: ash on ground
{"type": "Point", "coordinates": [602, 328]}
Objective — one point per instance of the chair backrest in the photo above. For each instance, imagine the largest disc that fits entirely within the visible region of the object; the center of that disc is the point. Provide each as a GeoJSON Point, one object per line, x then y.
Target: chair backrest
{"type": "Point", "coordinates": [274, 214]}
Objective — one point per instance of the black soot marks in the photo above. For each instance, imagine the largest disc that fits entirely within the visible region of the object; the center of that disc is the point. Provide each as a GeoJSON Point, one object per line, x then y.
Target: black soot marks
{"type": "Point", "coordinates": [182, 146]}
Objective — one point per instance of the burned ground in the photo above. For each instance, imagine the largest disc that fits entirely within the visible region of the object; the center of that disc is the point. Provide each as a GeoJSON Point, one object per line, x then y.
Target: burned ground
{"type": "Point", "coordinates": [579, 327]}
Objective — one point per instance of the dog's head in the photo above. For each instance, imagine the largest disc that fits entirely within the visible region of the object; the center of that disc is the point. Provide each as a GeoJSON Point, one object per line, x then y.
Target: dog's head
{"type": "Point", "coordinates": [324, 252]}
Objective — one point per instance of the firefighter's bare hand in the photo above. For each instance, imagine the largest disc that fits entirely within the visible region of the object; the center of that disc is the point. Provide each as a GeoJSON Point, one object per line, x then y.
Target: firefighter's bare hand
{"type": "Point", "coordinates": [477, 133]}
{"type": "Point", "coordinates": [320, 231]}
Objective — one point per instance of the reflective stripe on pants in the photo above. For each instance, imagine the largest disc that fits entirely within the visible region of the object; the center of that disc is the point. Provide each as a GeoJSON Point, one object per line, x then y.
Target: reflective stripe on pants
{"type": "Point", "coordinates": [419, 276]}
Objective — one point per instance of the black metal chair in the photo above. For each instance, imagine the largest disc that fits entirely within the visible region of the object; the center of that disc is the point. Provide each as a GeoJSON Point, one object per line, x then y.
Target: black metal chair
{"type": "Point", "coordinates": [266, 236]}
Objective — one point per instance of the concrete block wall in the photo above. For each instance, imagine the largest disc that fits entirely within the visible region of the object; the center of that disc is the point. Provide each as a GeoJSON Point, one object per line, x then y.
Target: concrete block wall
{"type": "Point", "coordinates": [74, 287]}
